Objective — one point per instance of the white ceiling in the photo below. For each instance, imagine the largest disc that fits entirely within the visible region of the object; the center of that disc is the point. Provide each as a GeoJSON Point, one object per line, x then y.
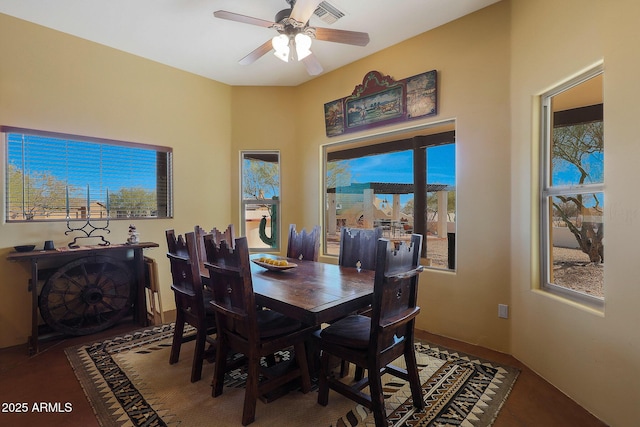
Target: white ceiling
{"type": "Point", "coordinates": [184, 33]}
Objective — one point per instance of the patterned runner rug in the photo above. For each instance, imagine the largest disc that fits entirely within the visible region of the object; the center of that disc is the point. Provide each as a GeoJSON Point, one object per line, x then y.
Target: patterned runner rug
{"type": "Point", "coordinates": [129, 382]}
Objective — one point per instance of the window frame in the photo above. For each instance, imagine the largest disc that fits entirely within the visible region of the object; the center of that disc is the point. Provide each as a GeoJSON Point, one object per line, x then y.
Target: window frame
{"type": "Point", "coordinates": [418, 139]}
{"type": "Point", "coordinates": [167, 177]}
{"type": "Point", "coordinates": [547, 190]}
{"type": "Point", "coordinates": [244, 202]}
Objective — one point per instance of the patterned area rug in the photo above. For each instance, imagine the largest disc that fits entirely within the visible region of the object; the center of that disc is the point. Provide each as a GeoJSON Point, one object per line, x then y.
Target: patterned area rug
{"type": "Point", "coordinates": [129, 382]}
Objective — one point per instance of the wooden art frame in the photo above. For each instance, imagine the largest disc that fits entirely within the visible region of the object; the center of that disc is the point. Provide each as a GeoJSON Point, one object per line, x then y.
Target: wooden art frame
{"type": "Point", "coordinates": [380, 100]}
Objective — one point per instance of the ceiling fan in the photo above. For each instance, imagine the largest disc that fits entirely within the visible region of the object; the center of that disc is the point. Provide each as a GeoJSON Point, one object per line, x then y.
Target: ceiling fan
{"type": "Point", "coordinates": [294, 39]}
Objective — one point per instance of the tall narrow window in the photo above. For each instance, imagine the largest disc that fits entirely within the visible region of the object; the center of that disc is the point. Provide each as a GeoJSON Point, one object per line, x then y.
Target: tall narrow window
{"type": "Point", "coordinates": [52, 176]}
{"type": "Point", "coordinates": [572, 189]}
{"type": "Point", "coordinates": [403, 186]}
{"type": "Point", "coordinates": [261, 199]}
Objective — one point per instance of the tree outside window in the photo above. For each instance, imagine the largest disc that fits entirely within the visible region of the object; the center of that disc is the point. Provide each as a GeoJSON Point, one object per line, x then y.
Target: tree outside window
{"type": "Point", "coordinates": [261, 199]}
{"type": "Point", "coordinates": [572, 191]}
{"type": "Point", "coordinates": [52, 176]}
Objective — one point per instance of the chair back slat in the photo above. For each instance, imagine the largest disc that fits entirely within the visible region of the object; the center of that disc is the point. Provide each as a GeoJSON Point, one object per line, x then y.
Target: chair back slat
{"type": "Point", "coordinates": [227, 235]}
{"type": "Point", "coordinates": [175, 244]}
{"type": "Point", "coordinates": [395, 293]}
{"type": "Point", "coordinates": [304, 245]}
{"type": "Point", "coordinates": [358, 245]}
{"type": "Point", "coordinates": [231, 285]}
{"type": "Point", "coordinates": [186, 279]}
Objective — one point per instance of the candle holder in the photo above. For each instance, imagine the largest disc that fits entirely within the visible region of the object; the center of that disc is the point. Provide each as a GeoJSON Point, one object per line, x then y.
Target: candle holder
{"type": "Point", "coordinates": [88, 229]}
{"type": "Point", "coordinates": [87, 225]}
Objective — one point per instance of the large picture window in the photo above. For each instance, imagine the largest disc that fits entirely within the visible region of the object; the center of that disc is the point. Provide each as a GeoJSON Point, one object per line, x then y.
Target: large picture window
{"type": "Point", "coordinates": [261, 199]}
{"type": "Point", "coordinates": [52, 176]}
{"type": "Point", "coordinates": [403, 186]}
{"type": "Point", "coordinates": [572, 193]}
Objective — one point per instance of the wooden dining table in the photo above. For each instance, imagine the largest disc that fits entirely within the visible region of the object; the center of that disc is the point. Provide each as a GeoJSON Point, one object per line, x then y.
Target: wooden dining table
{"type": "Point", "coordinates": [312, 292]}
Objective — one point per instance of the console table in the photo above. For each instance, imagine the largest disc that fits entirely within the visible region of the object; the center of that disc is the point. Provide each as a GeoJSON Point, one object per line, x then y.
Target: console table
{"type": "Point", "coordinates": [87, 288]}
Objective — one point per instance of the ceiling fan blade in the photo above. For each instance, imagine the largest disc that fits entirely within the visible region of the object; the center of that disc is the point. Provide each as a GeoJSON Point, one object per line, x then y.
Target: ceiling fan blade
{"type": "Point", "coordinates": [223, 14]}
{"type": "Point", "coordinates": [257, 53]}
{"type": "Point", "coordinates": [341, 36]}
{"type": "Point", "coordinates": [312, 64]}
{"type": "Point", "coordinates": [303, 9]}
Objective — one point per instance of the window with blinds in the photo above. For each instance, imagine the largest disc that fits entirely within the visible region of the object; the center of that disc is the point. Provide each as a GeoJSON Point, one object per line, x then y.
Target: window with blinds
{"type": "Point", "coordinates": [52, 176]}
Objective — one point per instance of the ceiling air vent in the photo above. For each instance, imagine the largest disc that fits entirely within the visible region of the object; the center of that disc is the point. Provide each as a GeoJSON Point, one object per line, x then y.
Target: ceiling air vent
{"type": "Point", "coordinates": [328, 13]}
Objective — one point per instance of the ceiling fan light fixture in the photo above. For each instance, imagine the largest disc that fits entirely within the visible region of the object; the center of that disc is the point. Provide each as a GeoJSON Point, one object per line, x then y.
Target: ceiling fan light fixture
{"type": "Point", "coordinates": [280, 44]}
{"type": "Point", "coordinates": [293, 42]}
{"type": "Point", "coordinates": [303, 46]}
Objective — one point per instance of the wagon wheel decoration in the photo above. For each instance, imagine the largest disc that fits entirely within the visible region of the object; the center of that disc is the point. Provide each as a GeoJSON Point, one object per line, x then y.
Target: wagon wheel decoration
{"type": "Point", "coordinates": [86, 295]}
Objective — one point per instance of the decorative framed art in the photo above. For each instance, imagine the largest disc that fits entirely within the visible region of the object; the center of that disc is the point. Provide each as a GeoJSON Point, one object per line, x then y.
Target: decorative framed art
{"type": "Point", "coordinates": [380, 100]}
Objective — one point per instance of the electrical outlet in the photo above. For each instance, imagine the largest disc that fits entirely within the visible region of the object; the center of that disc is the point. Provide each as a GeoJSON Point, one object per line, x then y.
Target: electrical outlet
{"type": "Point", "coordinates": [503, 311]}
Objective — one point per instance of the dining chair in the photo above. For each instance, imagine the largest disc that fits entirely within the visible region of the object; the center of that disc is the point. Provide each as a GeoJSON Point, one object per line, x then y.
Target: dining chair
{"type": "Point", "coordinates": [228, 234]}
{"type": "Point", "coordinates": [192, 302]}
{"type": "Point", "coordinates": [373, 343]}
{"type": "Point", "coordinates": [358, 249]}
{"type": "Point", "coordinates": [245, 329]}
{"type": "Point", "coordinates": [304, 245]}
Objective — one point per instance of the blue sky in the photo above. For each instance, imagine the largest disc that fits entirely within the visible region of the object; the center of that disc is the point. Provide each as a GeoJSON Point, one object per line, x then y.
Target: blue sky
{"type": "Point", "coordinates": [398, 167]}
{"type": "Point", "coordinates": [565, 173]}
{"type": "Point", "coordinates": [101, 166]}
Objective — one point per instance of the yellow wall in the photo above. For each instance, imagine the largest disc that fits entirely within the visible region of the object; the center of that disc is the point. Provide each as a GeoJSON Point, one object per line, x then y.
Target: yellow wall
{"type": "Point", "coordinates": [491, 64]}
{"type": "Point", "coordinates": [472, 59]}
{"type": "Point", "coordinates": [55, 82]}
{"type": "Point", "coordinates": [264, 118]}
{"type": "Point", "coordinates": [593, 357]}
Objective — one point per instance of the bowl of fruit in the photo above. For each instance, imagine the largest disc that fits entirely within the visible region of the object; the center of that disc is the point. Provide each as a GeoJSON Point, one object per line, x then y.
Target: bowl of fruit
{"type": "Point", "coordinates": [274, 264]}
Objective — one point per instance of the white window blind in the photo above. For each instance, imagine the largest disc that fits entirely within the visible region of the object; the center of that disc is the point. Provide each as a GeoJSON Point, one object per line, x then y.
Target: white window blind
{"type": "Point", "coordinates": [51, 176]}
